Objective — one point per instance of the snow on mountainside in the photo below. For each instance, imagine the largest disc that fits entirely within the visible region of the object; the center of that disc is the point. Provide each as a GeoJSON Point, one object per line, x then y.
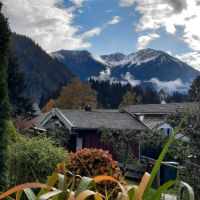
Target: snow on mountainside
{"type": "Point", "coordinates": [81, 63]}
{"type": "Point", "coordinates": [136, 59]}
{"type": "Point", "coordinates": [144, 67]}
{"type": "Point", "coordinates": [113, 59]}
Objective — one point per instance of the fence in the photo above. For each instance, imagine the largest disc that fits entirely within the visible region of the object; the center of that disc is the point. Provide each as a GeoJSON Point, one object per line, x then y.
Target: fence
{"type": "Point", "coordinates": [168, 171]}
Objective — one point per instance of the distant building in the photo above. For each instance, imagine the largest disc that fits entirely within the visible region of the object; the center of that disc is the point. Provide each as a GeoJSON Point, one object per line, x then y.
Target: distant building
{"type": "Point", "coordinates": [154, 115]}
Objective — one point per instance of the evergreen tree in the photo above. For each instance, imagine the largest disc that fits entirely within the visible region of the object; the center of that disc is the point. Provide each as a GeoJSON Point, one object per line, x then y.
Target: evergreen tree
{"type": "Point", "coordinates": [194, 91]}
{"type": "Point", "coordinates": [16, 87]}
{"type": "Point", "coordinates": [4, 102]}
{"type": "Point", "coordinates": [151, 96]}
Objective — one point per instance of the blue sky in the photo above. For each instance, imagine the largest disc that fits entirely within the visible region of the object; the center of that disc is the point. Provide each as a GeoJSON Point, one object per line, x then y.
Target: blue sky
{"type": "Point", "coordinates": [109, 26]}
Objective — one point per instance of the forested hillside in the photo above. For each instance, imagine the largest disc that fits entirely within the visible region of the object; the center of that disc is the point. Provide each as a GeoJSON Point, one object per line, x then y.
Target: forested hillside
{"type": "Point", "coordinates": [44, 74]}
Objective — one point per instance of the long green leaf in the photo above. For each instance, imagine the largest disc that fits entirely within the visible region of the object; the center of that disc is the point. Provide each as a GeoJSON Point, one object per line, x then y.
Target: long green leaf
{"type": "Point", "coordinates": [51, 182]}
{"type": "Point", "coordinates": [167, 185]}
{"type": "Point", "coordinates": [85, 184]}
{"type": "Point", "coordinates": [131, 193]}
{"type": "Point", "coordinates": [30, 194]}
{"type": "Point", "coordinates": [50, 194]}
{"type": "Point", "coordinates": [190, 190]}
{"type": "Point", "coordinates": [161, 157]}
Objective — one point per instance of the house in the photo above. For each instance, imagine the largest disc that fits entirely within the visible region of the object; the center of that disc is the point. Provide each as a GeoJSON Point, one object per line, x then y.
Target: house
{"type": "Point", "coordinates": [85, 125]}
{"type": "Point", "coordinates": [154, 115]}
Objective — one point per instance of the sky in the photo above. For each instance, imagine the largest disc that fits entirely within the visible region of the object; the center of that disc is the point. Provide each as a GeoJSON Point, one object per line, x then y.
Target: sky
{"type": "Point", "coordinates": [109, 26]}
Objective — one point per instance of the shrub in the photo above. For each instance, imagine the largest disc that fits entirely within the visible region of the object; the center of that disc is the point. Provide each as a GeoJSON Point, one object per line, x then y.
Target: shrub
{"type": "Point", "coordinates": [93, 162]}
{"type": "Point", "coordinates": [33, 159]}
{"type": "Point", "coordinates": [13, 135]}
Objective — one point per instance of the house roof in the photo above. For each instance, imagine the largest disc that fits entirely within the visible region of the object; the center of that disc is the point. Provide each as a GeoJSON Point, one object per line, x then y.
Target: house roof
{"type": "Point", "coordinates": [96, 119]}
{"type": "Point", "coordinates": [161, 108]}
{"type": "Point", "coordinates": [80, 119]}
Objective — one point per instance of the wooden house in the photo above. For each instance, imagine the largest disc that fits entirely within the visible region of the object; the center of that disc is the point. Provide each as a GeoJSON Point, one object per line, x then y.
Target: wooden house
{"type": "Point", "coordinates": [85, 125]}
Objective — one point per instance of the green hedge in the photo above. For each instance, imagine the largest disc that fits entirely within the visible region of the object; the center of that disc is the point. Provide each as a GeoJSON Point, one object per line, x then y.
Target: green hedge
{"type": "Point", "coordinates": [33, 159]}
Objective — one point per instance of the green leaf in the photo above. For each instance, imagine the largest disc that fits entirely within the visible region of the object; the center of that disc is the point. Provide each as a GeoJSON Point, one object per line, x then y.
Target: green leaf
{"type": "Point", "coordinates": [85, 184]}
{"type": "Point", "coordinates": [51, 182]}
{"type": "Point", "coordinates": [190, 190]}
{"type": "Point", "coordinates": [167, 185]}
{"type": "Point", "coordinates": [161, 157]}
{"type": "Point", "coordinates": [30, 194]}
{"type": "Point", "coordinates": [131, 193]}
{"type": "Point", "coordinates": [50, 194]}
{"type": "Point", "coordinates": [61, 183]}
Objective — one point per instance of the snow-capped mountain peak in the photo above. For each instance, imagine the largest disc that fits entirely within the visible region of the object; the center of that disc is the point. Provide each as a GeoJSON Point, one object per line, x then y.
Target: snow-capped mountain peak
{"type": "Point", "coordinates": [135, 59]}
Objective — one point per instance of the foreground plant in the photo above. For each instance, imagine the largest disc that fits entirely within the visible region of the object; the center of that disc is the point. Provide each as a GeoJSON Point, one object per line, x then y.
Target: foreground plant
{"type": "Point", "coordinates": [60, 187]}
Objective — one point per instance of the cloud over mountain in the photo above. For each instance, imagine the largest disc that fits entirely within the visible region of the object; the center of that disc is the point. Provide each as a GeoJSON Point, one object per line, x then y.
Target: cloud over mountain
{"type": "Point", "coordinates": [47, 22]}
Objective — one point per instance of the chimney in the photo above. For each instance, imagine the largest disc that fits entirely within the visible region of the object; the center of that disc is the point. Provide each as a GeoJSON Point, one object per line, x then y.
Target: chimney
{"type": "Point", "coordinates": [88, 108]}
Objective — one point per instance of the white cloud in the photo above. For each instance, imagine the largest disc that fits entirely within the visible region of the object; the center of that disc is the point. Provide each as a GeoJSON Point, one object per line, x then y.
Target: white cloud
{"type": "Point", "coordinates": [144, 40]}
{"type": "Point", "coordinates": [92, 32]}
{"type": "Point", "coordinates": [130, 79]}
{"type": "Point", "coordinates": [104, 75]}
{"type": "Point", "coordinates": [99, 59]}
{"type": "Point", "coordinates": [47, 23]}
{"type": "Point", "coordinates": [192, 58]}
{"type": "Point", "coordinates": [78, 2]}
{"type": "Point", "coordinates": [126, 2]}
{"type": "Point", "coordinates": [115, 20]}
{"type": "Point", "coordinates": [169, 14]}
{"type": "Point", "coordinates": [170, 86]}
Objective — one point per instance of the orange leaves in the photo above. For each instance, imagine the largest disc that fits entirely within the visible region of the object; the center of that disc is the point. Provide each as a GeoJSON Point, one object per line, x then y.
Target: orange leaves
{"type": "Point", "coordinates": [93, 162]}
{"type": "Point", "coordinates": [76, 95]}
{"type": "Point", "coordinates": [22, 187]}
{"type": "Point", "coordinates": [49, 106]}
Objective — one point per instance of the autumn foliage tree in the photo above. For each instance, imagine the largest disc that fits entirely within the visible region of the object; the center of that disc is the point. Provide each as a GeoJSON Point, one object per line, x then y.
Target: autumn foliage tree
{"type": "Point", "coordinates": [49, 106]}
{"type": "Point", "coordinates": [76, 95]}
{"type": "Point", "coordinates": [130, 98]}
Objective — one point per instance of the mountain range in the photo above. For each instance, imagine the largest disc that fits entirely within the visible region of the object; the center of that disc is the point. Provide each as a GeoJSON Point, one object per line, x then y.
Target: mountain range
{"type": "Point", "coordinates": [47, 72]}
{"type": "Point", "coordinates": [147, 66]}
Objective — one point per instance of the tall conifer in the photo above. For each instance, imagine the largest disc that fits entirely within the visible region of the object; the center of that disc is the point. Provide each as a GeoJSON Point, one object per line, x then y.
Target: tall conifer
{"type": "Point", "coordinates": [4, 103]}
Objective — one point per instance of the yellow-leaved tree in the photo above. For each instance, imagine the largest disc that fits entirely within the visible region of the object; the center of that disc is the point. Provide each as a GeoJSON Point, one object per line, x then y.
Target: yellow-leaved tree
{"type": "Point", "coordinates": [130, 98]}
{"type": "Point", "coordinates": [76, 95]}
{"type": "Point", "coordinates": [50, 104]}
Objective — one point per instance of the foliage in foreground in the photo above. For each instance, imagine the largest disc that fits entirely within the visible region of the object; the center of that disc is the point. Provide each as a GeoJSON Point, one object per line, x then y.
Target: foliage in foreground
{"type": "Point", "coordinates": [94, 162]}
{"type": "Point", "coordinates": [33, 159]}
{"type": "Point", "coordinates": [87, 186]}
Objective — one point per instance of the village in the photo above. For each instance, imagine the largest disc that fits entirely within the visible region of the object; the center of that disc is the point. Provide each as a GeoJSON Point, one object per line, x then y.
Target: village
{"type": "Point", "coordinates": [79, 122]}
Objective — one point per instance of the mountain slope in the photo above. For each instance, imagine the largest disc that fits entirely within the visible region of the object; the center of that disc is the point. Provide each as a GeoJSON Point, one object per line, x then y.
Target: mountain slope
{"type": "Point", "coordinates": [148, 63]}
{"type": "Point", "coordinates": [81, 63]}
{"type": "Point", "coordinates": [43, 73]}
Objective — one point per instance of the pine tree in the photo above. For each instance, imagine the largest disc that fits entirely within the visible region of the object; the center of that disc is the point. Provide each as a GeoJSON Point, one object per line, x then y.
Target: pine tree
{"type": "Point", "coordinates": [194, 91]}
{"type": "Point", "coordinates": [5, 35]}
{"type": "Point", "coordinates": [16, 86]}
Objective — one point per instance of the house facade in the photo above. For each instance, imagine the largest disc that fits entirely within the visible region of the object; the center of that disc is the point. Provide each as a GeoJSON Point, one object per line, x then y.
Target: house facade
{"type": "Point", "coordinates": [85, 126]}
